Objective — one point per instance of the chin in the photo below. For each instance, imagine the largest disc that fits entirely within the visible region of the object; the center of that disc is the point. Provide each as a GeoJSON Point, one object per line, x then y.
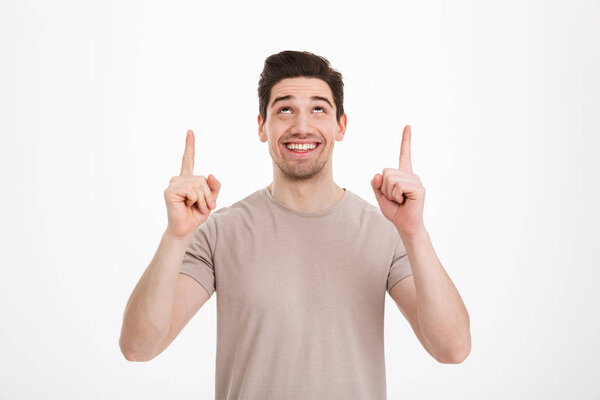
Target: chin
{"type": "Point", "coordinates": [301, 174]}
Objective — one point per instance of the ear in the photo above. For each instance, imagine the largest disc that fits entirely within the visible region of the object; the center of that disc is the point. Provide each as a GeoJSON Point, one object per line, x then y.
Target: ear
{"type": "Point", "coordinates": [339, 136]}
{"type": "Point", "coordinates": [261, 132]}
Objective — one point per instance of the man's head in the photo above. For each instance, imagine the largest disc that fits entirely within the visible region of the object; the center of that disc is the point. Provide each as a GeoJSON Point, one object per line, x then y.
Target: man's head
{"type": "Point", "coordinates": [293, 64]}
{"type": "Point", "coordinates": [300, 101]}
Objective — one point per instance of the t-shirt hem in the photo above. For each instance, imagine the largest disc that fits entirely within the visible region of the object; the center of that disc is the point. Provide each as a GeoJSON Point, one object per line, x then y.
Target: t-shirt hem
{"type": "Point", "coordinates": [402, 277]}
{"type": "Point", "coordinates": [206, 287]}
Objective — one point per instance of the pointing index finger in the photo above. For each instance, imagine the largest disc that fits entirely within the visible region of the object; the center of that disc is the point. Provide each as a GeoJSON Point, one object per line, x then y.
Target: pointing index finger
{"type": "Point", "coordinates": [187, 162]}
{"type": "Point", "coordinates": [405, 162]}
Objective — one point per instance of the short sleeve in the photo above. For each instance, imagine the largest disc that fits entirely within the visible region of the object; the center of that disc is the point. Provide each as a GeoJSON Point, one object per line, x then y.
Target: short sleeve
{"type": "Point", "coordinates": [198, 261]}
{"type": "Point", "coordinates": [400, 267]}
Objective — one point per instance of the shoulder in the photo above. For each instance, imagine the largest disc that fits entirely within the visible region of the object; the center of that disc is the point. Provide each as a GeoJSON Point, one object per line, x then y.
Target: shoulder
{"type": "Point", "coordinates": [243, 209]}
{"type": "Point", "coordinates": [368, 215]}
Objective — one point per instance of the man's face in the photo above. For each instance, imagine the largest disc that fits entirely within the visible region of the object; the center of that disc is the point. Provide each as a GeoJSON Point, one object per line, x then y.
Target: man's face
{"type": "Point", "coordinates": [301, 111]}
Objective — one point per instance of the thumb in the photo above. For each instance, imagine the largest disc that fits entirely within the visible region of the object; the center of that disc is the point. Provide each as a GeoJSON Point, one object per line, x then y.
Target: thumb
{"type": "Point", "coordinates": [213, 184]}
{"type": "Point", "coordinates": [376, 183]}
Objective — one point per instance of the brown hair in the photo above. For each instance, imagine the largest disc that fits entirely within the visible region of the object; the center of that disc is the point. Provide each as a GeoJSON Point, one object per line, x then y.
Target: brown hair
{"type": "Point", "coordinates": [293, 64]}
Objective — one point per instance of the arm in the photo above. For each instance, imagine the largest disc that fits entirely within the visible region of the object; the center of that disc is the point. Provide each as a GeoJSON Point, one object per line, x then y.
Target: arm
{"type": "Point", "coordinates": [161, 304]}
{"type": "Point", "coordinates": [432, 305]}
{"type": "Point", "coordinates": [164, 300]}
{"type": "Point", "coordinates": [404, 295]}
{"type": "Point", "coordinates": [429, 300]}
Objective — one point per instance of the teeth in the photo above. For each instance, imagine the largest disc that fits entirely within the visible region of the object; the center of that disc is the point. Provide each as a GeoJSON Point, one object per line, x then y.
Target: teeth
{"type": "Point", "coordinates": [306, 146]}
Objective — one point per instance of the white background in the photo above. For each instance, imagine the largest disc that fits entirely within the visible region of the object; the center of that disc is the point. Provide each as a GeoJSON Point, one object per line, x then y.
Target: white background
{"type": "Point", "coordinates": [503, 99]}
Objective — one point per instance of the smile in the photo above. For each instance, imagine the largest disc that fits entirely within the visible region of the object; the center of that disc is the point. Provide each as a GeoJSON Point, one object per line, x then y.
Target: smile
{"type": "Point", "coordinates": [301, 149]}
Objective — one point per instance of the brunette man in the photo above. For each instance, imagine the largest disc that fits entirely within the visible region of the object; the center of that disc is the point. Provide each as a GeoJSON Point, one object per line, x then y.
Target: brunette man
{"type": "Point", "coordinates": [301, 266]}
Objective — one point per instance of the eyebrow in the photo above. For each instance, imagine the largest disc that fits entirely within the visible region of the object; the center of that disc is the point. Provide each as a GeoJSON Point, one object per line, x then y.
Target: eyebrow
{"type": "Point", "coordinates": [289, 96]}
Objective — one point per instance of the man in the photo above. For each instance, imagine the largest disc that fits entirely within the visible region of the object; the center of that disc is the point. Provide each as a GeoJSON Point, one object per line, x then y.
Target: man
{"type": "Point", "coordinates": [301, 266]}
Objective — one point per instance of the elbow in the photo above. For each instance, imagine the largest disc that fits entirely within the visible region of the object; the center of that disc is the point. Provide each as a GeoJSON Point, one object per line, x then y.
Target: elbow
{"type": "Point", "coordinates": [455, 355]}
{"type": "Point", "coordinates": [128, 351]}
{"type": "Point", "coordinates": [140, 344]}
{"type": "Point", "coordinates": [132, 353]}
{"type": "Point", "coordinates": [454, 358]}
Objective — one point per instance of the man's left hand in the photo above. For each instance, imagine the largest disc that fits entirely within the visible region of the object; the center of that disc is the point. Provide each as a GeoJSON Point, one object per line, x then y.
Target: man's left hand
{"type": "Point", "coordinates": [400, 194]}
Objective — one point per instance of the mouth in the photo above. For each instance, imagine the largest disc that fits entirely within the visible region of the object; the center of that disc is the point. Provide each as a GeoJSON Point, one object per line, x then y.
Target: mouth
{"type": "Point", "coordinates": [301, 149]}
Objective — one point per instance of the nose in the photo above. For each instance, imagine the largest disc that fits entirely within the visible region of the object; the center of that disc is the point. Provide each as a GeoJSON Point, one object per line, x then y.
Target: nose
{"type": "Point", "coordinates": [301, 124]}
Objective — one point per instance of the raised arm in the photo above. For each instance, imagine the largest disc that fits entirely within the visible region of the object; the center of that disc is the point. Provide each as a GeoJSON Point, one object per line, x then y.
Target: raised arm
{"type": "Point", "coordinates": [429, 299]}
{"type": "Point", "coordinates": [163, 300]}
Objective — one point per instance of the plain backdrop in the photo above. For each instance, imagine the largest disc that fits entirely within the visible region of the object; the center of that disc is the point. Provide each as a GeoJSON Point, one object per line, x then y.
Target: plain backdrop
{"type": "Point", "coordinates": [503, 99]}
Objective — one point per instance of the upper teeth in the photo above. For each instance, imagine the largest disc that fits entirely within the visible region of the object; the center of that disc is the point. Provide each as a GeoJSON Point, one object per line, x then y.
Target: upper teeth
{"type": "Point", "coordinates": [306, 146]}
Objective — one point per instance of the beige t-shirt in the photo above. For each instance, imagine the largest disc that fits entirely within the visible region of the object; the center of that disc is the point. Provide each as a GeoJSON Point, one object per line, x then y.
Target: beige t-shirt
{"type": "Point", "coordinates": [301, 297]}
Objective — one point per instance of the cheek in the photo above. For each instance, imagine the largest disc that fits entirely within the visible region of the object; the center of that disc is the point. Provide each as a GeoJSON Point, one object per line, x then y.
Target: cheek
{"type": "Point", "coordinates": [272, 132]}
{"type": "Point", "coordinates": [331, 130]}
{"type": "Point", "coordinates": [277, 127]}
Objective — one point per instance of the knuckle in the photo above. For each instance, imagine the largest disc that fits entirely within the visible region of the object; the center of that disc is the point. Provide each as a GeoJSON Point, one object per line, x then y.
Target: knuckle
{"type": "Point", "coordinates": [201, 185]}
{"type": "Point", "coordinates": [181, 181]}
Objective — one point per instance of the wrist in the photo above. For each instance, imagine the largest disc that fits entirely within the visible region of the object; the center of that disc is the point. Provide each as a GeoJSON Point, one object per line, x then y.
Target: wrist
{"type": "Point", "coordinates": [177, 239]}
{"type": "Point", "coordinates": [414, 235]}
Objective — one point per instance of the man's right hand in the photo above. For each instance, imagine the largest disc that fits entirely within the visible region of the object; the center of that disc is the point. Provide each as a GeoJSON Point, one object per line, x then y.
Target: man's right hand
{"type": "Point", "coordinates": [189, 198]}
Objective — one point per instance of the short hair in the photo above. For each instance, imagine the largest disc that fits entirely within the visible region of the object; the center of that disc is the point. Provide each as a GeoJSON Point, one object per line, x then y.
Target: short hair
{"type": "Point", "coordinates": [294, 64]}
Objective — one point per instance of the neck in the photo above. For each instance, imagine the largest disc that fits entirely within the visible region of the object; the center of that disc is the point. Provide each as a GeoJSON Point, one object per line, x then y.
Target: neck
{"type": "Point", "coordinates": [311, 195]}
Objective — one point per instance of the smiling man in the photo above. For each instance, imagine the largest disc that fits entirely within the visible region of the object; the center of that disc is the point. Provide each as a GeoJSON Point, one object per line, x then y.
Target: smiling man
{"type": "Point", "coordinates": [300, 123]}
{"type": "Point", "coordinates": [300, 267]}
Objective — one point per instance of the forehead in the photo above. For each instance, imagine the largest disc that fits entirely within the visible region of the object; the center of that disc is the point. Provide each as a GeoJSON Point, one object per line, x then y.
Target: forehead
{"type": "Point", "coordinates": [300, 88]}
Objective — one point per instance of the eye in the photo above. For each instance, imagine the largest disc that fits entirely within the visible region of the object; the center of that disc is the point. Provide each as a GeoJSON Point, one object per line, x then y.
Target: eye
{"type": "Point", "coordinates": [320, 108]}
{"type": "Point", "coordinates": [283, 108]}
